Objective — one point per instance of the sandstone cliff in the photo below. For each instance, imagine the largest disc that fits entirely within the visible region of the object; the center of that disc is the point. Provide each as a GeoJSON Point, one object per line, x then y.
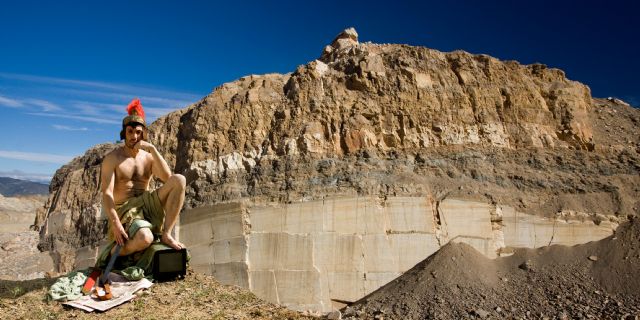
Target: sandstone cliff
{"type": "Point", "coordinates": [383, 120]}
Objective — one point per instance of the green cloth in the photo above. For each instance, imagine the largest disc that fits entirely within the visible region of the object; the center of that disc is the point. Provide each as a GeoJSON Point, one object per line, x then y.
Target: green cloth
{"type": "Point", "coordinates": [69, 287]}
{"type": "Point", "coordinates": [144, 211]}
{"type": "Point", "coordinates": [146, 206]}
{"type": "Point", "coordinates": [137, 225]}
{"type": "Point", "coordinates": [133, 273]}
{"type": "Point", "coordinates": [141, 260]}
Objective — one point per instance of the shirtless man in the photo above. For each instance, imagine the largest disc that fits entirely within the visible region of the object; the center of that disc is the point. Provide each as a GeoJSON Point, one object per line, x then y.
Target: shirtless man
{"type": "Point", "coordinates": [134, 212]}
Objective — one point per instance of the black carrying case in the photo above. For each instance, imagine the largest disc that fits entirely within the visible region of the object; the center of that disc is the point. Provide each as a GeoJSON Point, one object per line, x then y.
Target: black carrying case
{"type": "Point", "coordinates": [169, 264]}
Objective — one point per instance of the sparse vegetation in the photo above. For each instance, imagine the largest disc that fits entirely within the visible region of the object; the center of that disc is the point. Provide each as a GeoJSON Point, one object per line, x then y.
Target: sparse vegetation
{"type": "Point", "coordinates": [16, 291]}
{"type": "Point", "coordinates": [196, 297]}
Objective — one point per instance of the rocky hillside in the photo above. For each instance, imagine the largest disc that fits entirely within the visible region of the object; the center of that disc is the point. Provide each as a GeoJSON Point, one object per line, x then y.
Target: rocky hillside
{"type": "Point", "coordinates": [384, 120]}
{"type": "Point", "coordinates": [17, 213]}
{"type": "Point", "coordinates": [19, 256]}
{"type": "Point", "coordinates": [10, 187]}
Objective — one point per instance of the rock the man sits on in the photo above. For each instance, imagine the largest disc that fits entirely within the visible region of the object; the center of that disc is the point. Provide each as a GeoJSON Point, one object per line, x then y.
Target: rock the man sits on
{"type": "Point", "coordinates": [135, 214]}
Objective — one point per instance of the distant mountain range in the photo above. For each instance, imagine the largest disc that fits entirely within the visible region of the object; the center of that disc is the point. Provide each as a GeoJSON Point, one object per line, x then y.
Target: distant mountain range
{"type": "Point", "coordinates": [10, 187]}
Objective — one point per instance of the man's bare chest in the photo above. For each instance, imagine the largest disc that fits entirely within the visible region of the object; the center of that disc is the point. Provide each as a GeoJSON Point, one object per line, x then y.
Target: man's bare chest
{"type": "Point", "coordinates": [133, 169]}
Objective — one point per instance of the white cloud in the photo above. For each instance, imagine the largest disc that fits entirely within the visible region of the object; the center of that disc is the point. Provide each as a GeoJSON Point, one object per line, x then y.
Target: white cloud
{"type": "Point", "coordinates": [67, 128]}
{"type": "Point", "coordinates": [166, 102]}
{"type": "Point", "coordinates": [15, 103]}
{"type": "Point", "coordinates": [87, 108]}
{"type": "Point", "coordinates": [81, 118]}
{"type": "Point", "coordinates": [115, 90]}
{"type": "Point", "coordinates": [44, 104]}
{"type": "Point", "coordinates": [90, 101]}
{"type": "Point", "coordinates": [59, 81]}
{"type": "Point", "coordinates": [146, 95]}
{"type": "Point", "coordinates": [116, 111]}
{"type": "Point", "coordinates": [11, 103]}
{"type": "Point", "coordinates": [35, 177]}
{"type": "Point", "coordinates": [37, 157]}
{"type": "Point", "coordinates": [93, 108]}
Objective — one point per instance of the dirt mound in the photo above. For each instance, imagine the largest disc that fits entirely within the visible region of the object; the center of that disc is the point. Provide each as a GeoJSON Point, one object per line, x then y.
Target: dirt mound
{"type": "Point", "coordinates": [618, 266]}
{"type": "Point", "coordinates": [595, 280]}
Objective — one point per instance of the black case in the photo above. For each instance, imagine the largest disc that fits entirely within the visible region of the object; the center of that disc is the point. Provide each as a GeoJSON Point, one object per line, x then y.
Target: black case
{"type": "Point", "coordinates": [169, 264]}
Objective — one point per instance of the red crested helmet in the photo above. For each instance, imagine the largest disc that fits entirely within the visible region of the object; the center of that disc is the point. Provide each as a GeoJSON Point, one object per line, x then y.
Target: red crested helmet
{"type": "Point", "coordinates": [135, 116]}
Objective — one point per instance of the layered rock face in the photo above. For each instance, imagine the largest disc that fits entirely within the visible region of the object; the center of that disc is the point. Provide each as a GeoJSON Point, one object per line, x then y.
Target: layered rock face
{"type": "Point", "coordinates": [383, 120]}
{"type": "Point", "coordinates": [367, 101]}
{"type": "Point", "coordinates": [320, 254]}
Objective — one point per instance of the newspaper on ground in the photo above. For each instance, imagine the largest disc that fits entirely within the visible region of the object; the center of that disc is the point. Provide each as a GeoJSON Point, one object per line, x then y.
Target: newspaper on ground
{"type": "Point", "coordinates": [122, 291]}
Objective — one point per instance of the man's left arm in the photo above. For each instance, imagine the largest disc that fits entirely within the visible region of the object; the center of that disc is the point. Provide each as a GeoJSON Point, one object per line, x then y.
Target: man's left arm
{"type": "Point", "coordinates": [159, 167]}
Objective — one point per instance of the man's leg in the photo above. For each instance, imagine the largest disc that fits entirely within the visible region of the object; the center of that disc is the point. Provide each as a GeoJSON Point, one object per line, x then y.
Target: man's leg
{"type": "Point", "coordinates": [140, 241]}
{"type": "Point", "coordinates": [171, 196]}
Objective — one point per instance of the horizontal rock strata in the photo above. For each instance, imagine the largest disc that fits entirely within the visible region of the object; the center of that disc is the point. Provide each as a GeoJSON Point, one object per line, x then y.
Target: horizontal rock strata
{"type": "Point", "coordinates": [383, 120]}
{"type": "Point", "coordinates": [319, 255]}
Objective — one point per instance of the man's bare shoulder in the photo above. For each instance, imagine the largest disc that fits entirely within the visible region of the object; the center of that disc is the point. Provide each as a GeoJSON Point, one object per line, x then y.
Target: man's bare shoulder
{"type": "Point", "coordinates": [112, 156]}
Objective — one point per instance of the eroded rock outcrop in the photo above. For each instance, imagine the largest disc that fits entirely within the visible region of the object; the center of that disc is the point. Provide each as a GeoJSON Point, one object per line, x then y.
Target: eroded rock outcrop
{"type": "Point", "coordinates": [71, 215]}
{"type": "Point", "coordinates": [383, 120]}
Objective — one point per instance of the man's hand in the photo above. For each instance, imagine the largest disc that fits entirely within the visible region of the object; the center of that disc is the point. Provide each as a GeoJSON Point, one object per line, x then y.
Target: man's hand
{"type": "Point", "coordinates": [146, 146]}
{"type": "Point", "coordinates": [119, 233]}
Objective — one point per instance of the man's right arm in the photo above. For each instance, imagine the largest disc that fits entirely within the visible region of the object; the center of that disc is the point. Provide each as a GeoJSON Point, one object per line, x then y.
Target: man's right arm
{"type": "Point", "coordinates": [106, 186]}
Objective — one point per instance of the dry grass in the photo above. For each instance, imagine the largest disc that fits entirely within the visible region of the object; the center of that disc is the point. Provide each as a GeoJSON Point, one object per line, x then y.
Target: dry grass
{"type": "Point", "coordinates": [196, 297]}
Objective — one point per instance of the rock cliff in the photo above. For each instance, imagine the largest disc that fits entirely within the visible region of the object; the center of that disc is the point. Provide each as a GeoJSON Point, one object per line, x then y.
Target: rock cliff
{"type": "Point", "coordinates": [383, 120]}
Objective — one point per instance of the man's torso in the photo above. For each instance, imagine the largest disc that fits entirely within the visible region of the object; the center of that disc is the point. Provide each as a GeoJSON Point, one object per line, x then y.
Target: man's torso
{"type": "Point", "coordinates": [132, 175]}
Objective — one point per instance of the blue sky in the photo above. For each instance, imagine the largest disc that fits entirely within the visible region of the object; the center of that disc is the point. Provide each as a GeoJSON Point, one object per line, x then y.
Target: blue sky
{"type": "Point", "coordinates": [69, 68]}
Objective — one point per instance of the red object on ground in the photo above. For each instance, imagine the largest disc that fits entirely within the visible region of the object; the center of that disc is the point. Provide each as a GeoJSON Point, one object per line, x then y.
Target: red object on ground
{"type": "Point", "coordinates": [91, 281]}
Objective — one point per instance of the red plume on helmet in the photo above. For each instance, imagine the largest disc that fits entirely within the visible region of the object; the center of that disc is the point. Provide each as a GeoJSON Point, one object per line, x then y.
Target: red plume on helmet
{"type": "Point", "coordinates": [135, 108]}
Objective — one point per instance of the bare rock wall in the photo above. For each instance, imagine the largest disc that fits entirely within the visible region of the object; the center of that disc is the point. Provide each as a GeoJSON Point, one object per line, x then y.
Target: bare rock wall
{"type": "Point", "coordinates": [383, 120]}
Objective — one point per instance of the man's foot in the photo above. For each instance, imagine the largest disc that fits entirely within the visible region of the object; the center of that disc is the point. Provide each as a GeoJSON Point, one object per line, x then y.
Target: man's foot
{"type": "Point", "coordinates": [171, 242]}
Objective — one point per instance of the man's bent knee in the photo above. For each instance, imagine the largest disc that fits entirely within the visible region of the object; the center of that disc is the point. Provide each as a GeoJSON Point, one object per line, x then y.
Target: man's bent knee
{"type": "Point", "coordinates": [144, 237]}
{"type": "Point", "coordinates": [179, 181]}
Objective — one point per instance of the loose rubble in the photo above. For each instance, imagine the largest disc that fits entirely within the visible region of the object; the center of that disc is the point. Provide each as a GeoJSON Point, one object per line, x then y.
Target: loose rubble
{"type": "Point", "coordinates": [555, 282]}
